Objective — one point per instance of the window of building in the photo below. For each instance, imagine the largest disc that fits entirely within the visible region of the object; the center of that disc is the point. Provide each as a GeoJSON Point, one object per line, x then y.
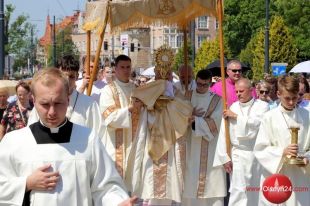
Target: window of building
{"type": "Point", "coordinates": [203, 22]}
{"type": "Point", "coordinates": [200, 39]}
{"type": "Point", "coordinates": [170, 40]}
{"type": "Point", "coordinates": [216, 24]}
{"type": "Point", "coordinates": [179, 41]}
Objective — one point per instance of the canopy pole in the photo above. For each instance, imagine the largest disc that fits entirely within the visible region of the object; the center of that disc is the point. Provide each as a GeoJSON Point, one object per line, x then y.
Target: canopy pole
{"type": "Point", "coordinates": [88, 41]}
{"type": "Point", "coordinates": [96, 63]}
{"type": "Point", "coordinates": [185, 57]}
{"type": "Point", "coordinates": [221, 41]}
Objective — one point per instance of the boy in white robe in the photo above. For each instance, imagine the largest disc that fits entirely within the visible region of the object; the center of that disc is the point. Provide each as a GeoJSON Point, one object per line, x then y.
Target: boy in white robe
{"type": "Point", "coordinates": [205, 185]}
{"type": "Point", "coordinates": [53, 161]}
{"type": "Point", "coordinates": [273, 145]}
{"type": "Point", "coordinates": [244, 120]}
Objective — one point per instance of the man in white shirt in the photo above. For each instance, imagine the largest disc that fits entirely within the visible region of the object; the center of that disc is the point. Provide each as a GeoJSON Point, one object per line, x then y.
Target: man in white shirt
{"type": "Point", "coordinates": [82, 109]}
{"type": "Point", "coordinates": [54, 161]}
{"type": "Point", "coordinates": [244, 119]}
{"type": "Point", "coordinates": [205, 185]}
{"type": "Point", "coordinates": [120, 114]}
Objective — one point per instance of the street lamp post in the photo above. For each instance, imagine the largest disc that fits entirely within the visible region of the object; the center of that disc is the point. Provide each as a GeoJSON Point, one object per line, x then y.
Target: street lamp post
{"type": "Point", "coordinates": [266, 68]}
{"type": "Point", "coordinates": [54, 42]}
{"type": "Point", "coordinates": [1, 38]}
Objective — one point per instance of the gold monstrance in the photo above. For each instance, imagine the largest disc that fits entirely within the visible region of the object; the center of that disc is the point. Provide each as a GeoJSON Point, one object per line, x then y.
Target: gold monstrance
{"type": "Point", "coordinates": [294, 140]}
{"type": "Point", "coordinates": [164, 58]}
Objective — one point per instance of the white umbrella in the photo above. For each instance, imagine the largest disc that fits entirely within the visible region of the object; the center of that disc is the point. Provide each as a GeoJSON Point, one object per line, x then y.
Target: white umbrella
{"type": "Point", "coordinates": [149, 72]}
{"type": "Point", "coordinates": [303, 67]}
{"type": "Point", "coordinates": [9, 85]}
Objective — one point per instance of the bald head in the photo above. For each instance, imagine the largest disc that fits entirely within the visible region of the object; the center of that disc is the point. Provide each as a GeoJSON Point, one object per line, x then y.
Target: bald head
{"type": "Point", "coordinates": [244, 90]}
{"type": "Point", "coordinates": [245, 82]}
{"type": "Point", "coordinates": [185, 71]}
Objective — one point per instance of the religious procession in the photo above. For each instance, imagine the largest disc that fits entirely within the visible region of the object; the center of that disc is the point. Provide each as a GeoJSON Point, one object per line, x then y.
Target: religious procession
{"type": "Point", "coordinates": [92, 133]}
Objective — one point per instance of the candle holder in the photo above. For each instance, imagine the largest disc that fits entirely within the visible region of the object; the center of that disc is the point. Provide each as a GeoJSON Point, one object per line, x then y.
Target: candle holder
{"type": "Point", "coordinates": [294, 140]}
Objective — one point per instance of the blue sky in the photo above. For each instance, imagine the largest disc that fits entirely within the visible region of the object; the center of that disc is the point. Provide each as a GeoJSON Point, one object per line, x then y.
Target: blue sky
{"type": "Point", "coordinates": [39, 9]}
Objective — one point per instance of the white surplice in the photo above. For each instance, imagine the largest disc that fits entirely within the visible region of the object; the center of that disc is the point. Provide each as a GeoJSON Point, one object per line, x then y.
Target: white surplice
{"type": "Point", "coordinates": [204, 184]}
{"type": "Point", "coordinates": [96, 89]}
{"type": "Point", "coordinates": [273, 137]}
{"type": "Point", "coordinates": [88, 176]}
{"type": "Point", "coordinates": [82, 110]}
{"type": "Point", "coordinates": [117, 137]}
{"type": "Point", "coordinates": [243, 132]}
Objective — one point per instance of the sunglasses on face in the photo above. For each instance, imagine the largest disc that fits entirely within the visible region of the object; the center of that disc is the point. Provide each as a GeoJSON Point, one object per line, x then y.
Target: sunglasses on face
{"type": "Point", "coordinates": [264, 92]}
{"type": "Point", "coordinates": [236, 70]}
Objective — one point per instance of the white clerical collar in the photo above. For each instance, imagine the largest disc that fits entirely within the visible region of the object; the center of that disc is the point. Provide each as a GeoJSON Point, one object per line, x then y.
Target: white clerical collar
{"type": "Point", "coordinates": [55, 129]}
{"type": "Point", "coordinates": [125, 84]}
{"type": "Point", "coordinates": [248, 103]}
{"type": "Point", "coordinates": [282, 109]}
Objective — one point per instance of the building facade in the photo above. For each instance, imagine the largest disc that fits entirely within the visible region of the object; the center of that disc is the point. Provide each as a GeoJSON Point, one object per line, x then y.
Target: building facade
{"type": "Point", "coordinates": [138, 43]}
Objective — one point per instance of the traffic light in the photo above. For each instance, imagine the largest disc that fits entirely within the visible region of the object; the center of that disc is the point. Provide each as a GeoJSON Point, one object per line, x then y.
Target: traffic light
{"type": "Point", "coordinates": [139, 47]}
{"type": "Point", "coordinates": [132, 47]}
{"type": "Point", "coordinates": [123, 45]}
{"type": "Point", "coordinates": [105, 45]}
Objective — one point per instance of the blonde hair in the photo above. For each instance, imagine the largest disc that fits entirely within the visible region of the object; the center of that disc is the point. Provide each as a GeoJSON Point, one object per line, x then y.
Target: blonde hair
{"type": "Point", "coordinates": [48, 76]}
{"type": "Point", "coordinates": [288, 83]}
{"type": "Point", "coordinates": [4, 90]}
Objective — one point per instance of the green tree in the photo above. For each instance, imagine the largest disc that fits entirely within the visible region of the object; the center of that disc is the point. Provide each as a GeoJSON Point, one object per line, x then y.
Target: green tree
{"type": "Point", "coordinates": [281, 49]}
{"type": "Point", "coordinates": [179, 57]}
{"type": "Point", "coordinates": [64, 45]}
{"type": "Point", "coordinates": [296, 15]}
{"type": "Point", "coordinates": [242, 20]}
{"type": "Point", "coordinates": [247, 55]}
{"type": "Point", "coordinates": [18, 38]}
{"type": "Point", "coordinates": [208, 52]}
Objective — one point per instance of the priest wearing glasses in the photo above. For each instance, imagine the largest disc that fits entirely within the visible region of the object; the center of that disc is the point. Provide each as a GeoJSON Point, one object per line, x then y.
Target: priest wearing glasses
{"type": "Point", "coordinates": [234, 73]}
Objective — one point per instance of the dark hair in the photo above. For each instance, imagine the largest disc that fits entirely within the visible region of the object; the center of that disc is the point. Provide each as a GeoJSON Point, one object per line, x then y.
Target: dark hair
{"type": "Point", "coordinates": [68, 63]}
{"type": "Point", "coordinates": [122, 57]}
{"type": "Point", "coordinates": [303, 80]}
{"type": "Point", "coordinates": [204, 74]}
{"type": "Point", "coordinates": [23, 85]}
{"type": "Point", "coordinates": [92, 59]}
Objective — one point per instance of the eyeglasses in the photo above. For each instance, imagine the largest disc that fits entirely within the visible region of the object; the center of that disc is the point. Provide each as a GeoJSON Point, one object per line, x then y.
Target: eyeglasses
{"type": "Point", "coordinates": [203, 85]}
{"type": "Point", "coordinates": [236, 70]}
{"type": "Point", "coordinates": [264, 92]}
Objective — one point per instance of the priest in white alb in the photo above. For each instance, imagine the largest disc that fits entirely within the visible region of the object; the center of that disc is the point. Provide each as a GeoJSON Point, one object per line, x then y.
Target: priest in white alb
{"type": "Point", "coordinates": [120, 114]}
{"type": "Point", "coordinates": [158, 155]}
{"type": "Point", "coordinates": [54, 161]}
{"type": "Point", "coordinates": [273, 148]}
{"type": "Point", "coordinates": [244, 117]}
{"type": "Point", "coordinates": [205, 185]}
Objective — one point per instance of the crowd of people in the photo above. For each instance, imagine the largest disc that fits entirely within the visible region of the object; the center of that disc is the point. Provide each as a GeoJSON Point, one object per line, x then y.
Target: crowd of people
{"type": "Point", "coordinates": [152, 141]}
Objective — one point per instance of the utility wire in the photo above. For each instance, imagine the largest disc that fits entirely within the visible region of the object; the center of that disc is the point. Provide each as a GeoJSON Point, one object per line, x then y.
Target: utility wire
{"type": "Point", "coordinates": [62, 8]}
